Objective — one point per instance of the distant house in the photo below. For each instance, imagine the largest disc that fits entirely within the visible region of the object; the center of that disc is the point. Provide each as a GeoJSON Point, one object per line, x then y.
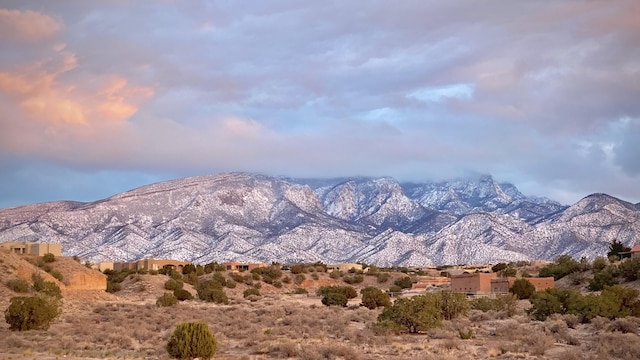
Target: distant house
{"type": "Point", "coordinates": [475, 283]}
{"type": "Point", "coordinates": [425, 282]}
{"type": "Point", "coordinates": [237, 266]}
{"type": "Point", "coordinates": [150, 264]}
{"type": "Point", "coordinates": [31, 248]}
{"type": "Point", "coordinates": [344, 267]}
{"type": "Point", "coordinates": [635, 251]}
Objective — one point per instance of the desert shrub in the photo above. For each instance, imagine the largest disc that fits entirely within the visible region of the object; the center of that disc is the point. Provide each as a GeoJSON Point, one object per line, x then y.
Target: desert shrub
{"type": "Point", "coordinates": [348, 291]}
{"type": "Point", "coordinates": [561, 267]}
{"type": "Point", "coordinates": [315, 276]}
{"type": "Point", "coordinates": [599, 263]}
{"type": "Point", "coordinates": [250, 291]}
{"type": "Point", "coordinates": [219, 278]}
{"type": "Point", "coordinates": [213, 266]}
{"type": "Point", "coordinates": [404, 282]}
{"type": "Point", "coordinates": [230, 284]}
{"type": "Point", "coordinates": [191, 278]}
{"type": "Point", "coordinates": [451, 304]}
{"type": "Point", "coordinates": [211, 291]}
{"type": "Point", "coordinates": [49, 258]}
{"type": "Point", "coordinates": [372, 297]}
{"type": "Point", "coordinates": [298, 279]}
{"type": "Point", "coordinates": [237, 277]}
{"type": "Point", "coordinates": [300, 291]}
{"type": "Point", "coordinates": [174, 274]}
{"type": "Point", "coordinates": [297, 269]}
{"type": "Point", "coordinates": [192, 340]}
{"type": "Point", "coordinates": [601, 280]}
{"type": "Point", "coordinates": [336, 274]}
{"type": "Point", "coordinates": [522, 288]}
{"type": "Point", "coordinates": [167, 299]}
{"type": "Point", "coordinates": [465, 335]}
{"type": "Point", "coordinates": [500, 303]}
{"type": "Point", "coordinates": [46, 287]}
{"type": "Point", "coordinates": [31, 312]}
{"type": "Point", "coordinates": [383, 277]}
{"type": "Point", "coordinates": [173, 284]}
{"type": "Point", "coordinates": [277, 284]}
{"type": "Point", "coordinates": [335, 298]}
{"type": "Point", "coordinates": [113, 287]}
{"type": "Point", "coordinates": [353, 278]}
{"type": "Point", "coordinates": [629, 269]}
{"type": "Point", "coordinates": [395, 289]}
{"type": "Point", "coordinates": [576, 278]}
{"type": "Point", "coordinates": [18, 285]}
{"type": "Point", "coordinates": [188, 269]}
{"type": "Point", "coordinates": [286, 280]}
{"type": "Point", "coordinates": [625, 326]}
{"type": "Point", "coordinates": [554, 301]}
{"type": "Point", "coordinates": [57, 275]}
{"type": "Point", "coordinates": [182, 294]}
{"type": "Point", "coordinates": [412, 315]}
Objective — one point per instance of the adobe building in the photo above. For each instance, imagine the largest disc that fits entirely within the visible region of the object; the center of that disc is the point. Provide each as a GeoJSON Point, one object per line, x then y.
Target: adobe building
{"type": "Point", "coordinates": [237, 266]}
{"type": "Point", "coordinates": [31, 248]}
{"type": "Point", "coordinates": [344, 267]}
{"type": "Point", "coordinates": [425, 282]}
{"type": "Point", "coordinates": [150, 264]}
{"type": "Point", "coordinates": [474, 283]}
{"type": "Point", "coordinates": [502, 285]}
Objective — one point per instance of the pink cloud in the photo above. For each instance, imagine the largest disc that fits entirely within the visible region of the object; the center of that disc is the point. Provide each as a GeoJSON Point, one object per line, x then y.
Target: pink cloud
{"type": "Point", "coordinates": [27, 26]}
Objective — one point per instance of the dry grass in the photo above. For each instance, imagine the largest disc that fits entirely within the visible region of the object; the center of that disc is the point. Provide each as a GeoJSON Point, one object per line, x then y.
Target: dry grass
{"type": "Point", "coordinates": [280, 326]}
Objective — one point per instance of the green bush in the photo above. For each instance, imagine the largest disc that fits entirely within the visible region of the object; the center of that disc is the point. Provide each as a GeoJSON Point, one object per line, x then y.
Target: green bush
{"type": "Point", "coordinates": [173, 284]}
{"type": "Point", "coordinates": [395, 289]}
{"type": "Point", "coordinates": [113, 287]}
{"type": "Point", "coordinates": [31, 312]}
{"type": "Point", "coordinates": [182, 294]}
{"type": "Point", "coordinates": [561, 267]}
{"type": "Point", "coordinates": [451, 304]}
{"type": "Point", "coordinates": [192, 340]}
{"type": "Point", "coordinates": [348, 291]}
{"type": "Point", "coordinates": [18, 285]}
{"type": "Point", "coordinates": [298, 269]}
{"type": "Point", "coordinates": [372, 297]}
{"type": "Point", "coordinates": [336, 274]}
{"type": "Point", "coordinates": [57, 275]}
{"type": "Point", "coordinates": [383, 277]}
{"type": "Point", "coordinates": [404, 282]}
{"type": "Point", "coordinates": [599, 263]}
{"type": "Point", "coordinates": [250, 291]}
{"type": "Point", "coordinates": [413, 315]}
{"type": "Point", "coordinates": [500, 303]}
{"type": "Point", "coordinates": [335, 299]}
{"type": "Point", "coordinates": [46, 287]}
{"type": "Point", "coordinates": [167, 299]}
{"type": "Point", "coordinates": [353, 278]}
{"type": "Point", "coordinates": [554, 301]}
{"type": "Point", "coordinates": [601, 280]}
{"type": "Point", "coordinates": [191, 278]}
{"type": "Point", "coordinates": [49, 258]}
{"type": "Point", "coordinates": [298, 279]}
{"type": "Point", "coordinates": [211, 291]}
{"type": "Point", "coordinates": [630, 269]}
{"type": "Point", "coordinates": [188, 269]}
{"type": "Point", "coordinates": [522, 288]}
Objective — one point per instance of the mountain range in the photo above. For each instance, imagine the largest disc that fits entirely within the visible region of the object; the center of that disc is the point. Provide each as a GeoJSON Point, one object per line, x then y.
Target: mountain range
{"type": "Point", "coordinates": [380, 221]}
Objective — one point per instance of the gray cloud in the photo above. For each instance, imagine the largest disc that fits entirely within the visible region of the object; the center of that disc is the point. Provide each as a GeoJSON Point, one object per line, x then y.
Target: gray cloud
{"type": "Point", "coordinates": [327, 89]}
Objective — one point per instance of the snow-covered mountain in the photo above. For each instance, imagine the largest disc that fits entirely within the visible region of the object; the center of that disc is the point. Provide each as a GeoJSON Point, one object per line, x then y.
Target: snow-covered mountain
{"type": "Point", "coordinates": [248, 217]}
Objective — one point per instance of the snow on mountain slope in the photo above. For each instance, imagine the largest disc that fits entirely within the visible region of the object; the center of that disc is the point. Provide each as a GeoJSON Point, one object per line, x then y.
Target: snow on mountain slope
{"type": "Point", "coordinates": [248, 217]}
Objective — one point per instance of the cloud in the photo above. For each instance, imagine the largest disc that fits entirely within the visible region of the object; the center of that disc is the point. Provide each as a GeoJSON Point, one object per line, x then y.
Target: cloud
{"type": "Point", "coordinates": [418, 90]}
{"type": "Point", "coordinates": [27, 26]}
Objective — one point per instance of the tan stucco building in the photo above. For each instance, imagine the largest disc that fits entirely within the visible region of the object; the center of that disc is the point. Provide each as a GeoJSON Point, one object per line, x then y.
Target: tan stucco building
{"type": "Point", "coordinates": [475, 283]}
{"type": "Point", "coordinates": [237, 266]}
{"type": "Point", "coordinates": [345, 267]}
{"type": "Point", "coordinates": [31, 248]}
{"type": "Point", "coordinates": [150, 264]}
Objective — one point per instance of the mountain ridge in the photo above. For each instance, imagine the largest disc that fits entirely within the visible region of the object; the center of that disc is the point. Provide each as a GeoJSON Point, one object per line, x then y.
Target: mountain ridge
{"type": "Point", "coordinates": [253, 217]}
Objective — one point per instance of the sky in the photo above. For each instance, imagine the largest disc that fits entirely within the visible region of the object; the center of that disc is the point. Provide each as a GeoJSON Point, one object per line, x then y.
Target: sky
{"type": "Point", "coordinates": [100, 97]}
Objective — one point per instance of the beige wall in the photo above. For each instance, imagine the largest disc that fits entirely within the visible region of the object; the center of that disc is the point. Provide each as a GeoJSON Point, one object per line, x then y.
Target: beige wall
{"type": "Point", "coordinates": [30, 248]}
{"type": "Point", "coordinates": [149, 264]}
{"type": "Point", "coordinates": [476, 283]}
{"type": "Point", "coordinates": [344, 267]}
